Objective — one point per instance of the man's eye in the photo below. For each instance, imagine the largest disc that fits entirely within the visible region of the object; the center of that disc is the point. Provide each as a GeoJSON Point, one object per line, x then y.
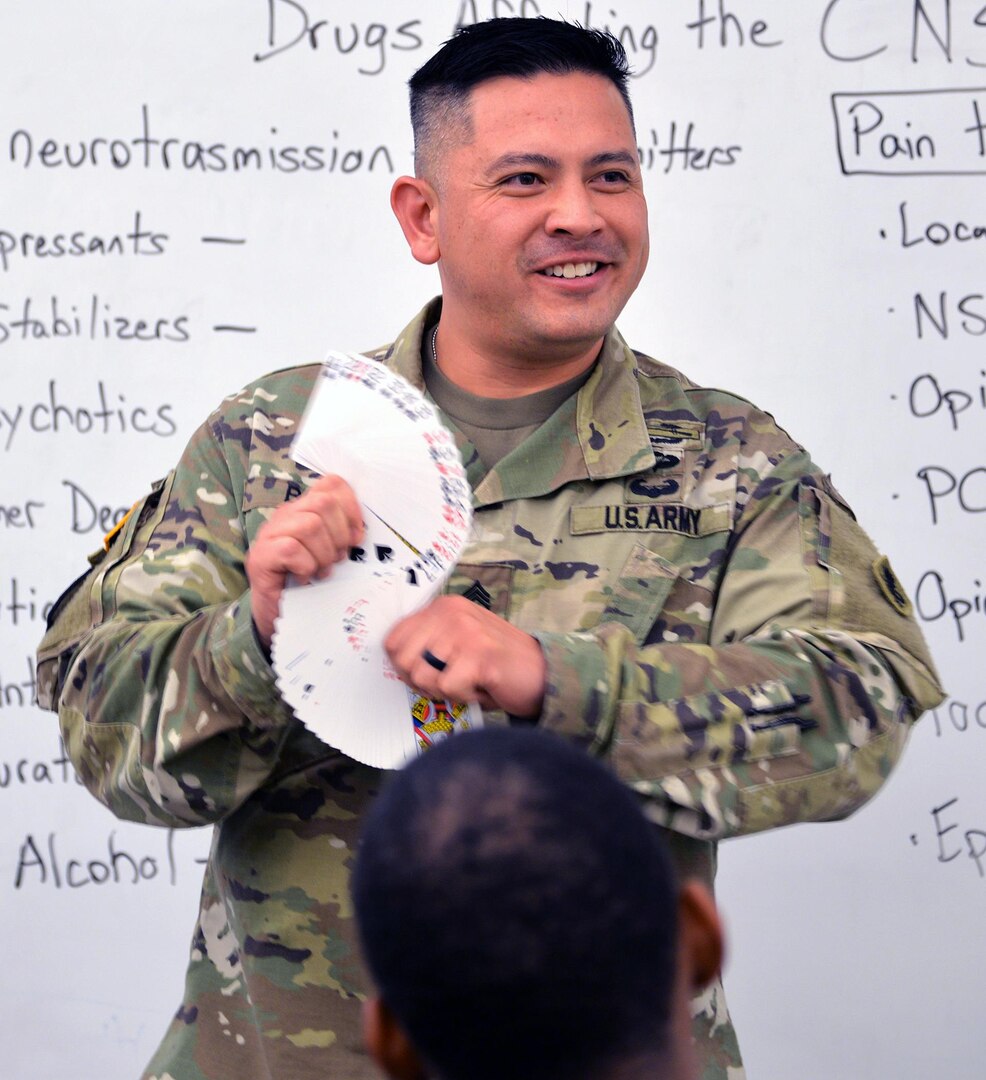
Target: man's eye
{"type": "Point", "coordinates": [524, 179]}
{"type": "Point", "coordinates": [614, 176]}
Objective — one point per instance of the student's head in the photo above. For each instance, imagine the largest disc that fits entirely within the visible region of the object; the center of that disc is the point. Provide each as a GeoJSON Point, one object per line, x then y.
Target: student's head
{"type": "Point", "coordinates": [521, 918]}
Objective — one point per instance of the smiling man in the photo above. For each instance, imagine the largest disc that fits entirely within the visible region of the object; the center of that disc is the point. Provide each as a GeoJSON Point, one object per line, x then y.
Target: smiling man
{"type": "Point", "coordinates": [541, 177]}
{"type": "Point", "coordinates": [656, 572]}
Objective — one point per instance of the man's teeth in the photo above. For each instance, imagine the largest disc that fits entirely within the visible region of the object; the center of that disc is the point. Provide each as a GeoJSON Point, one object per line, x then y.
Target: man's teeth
{"type": "Point", "coordinates": [570, 270]}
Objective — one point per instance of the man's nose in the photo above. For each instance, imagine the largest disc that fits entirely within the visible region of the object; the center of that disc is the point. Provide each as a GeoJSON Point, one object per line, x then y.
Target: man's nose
{"type": "Point", "coordinates": [573, 211]}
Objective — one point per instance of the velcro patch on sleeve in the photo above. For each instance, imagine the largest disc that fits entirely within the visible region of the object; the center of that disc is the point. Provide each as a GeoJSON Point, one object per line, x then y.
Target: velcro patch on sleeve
{"type": "Point", "coordinates": [891, 587]}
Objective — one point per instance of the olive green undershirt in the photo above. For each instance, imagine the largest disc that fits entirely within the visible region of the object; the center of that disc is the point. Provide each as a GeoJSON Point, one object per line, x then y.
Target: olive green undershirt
{"type": "Point", "coordinates": [495, 426]}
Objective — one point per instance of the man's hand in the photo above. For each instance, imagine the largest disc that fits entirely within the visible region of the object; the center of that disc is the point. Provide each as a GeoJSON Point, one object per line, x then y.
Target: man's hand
{"type": "Point", "coordinates": [485, 658]}
{"type": "Point", "coordinates": [305, 538]}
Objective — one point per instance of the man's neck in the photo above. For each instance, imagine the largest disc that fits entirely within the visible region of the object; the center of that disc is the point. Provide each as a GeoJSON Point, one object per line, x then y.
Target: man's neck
{"type": "Point", "coordinates": [506, 374]}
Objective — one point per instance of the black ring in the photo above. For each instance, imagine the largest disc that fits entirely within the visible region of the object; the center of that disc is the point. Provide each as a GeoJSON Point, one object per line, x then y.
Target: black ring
{"type": "Point", "coordinates": [431, 658]}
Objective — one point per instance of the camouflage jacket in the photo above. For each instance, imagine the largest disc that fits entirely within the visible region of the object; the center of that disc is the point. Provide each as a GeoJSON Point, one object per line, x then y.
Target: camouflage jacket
{"type": "Point", "coordinates": [714, 621]}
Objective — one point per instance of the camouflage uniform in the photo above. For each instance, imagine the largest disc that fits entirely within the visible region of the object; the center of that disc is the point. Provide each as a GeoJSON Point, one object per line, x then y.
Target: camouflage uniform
{"type": "Point", "coordinates": [714, 621]}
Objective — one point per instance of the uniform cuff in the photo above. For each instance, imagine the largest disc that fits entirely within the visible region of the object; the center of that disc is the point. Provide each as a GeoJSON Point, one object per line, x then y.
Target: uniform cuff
{"type": "Point", "coordinates": [244, 668]}
{"type": "Point", "coordinates": [578, 699]}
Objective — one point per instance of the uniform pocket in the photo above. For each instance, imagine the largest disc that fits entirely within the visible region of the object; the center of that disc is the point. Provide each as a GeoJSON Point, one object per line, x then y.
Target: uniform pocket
{"type": "Point", "coordinates": [854, 587]}
{"type": "Point", "coordinates": [82, 605]}
{"type": "Point", "coordinates": [748, 724]}
{"type": "Point", "coordinates": [640, 591]}
{"type": "Point", "coordinates": [262, 495]}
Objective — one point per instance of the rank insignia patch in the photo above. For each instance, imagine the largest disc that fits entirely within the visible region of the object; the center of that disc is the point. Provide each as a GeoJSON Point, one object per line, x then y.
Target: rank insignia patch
{"type": "Point", "coordinates": [478, 595]}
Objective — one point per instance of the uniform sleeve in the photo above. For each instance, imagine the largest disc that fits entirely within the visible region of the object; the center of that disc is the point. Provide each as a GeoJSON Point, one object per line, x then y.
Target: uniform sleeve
{"type": "Point", "coordinates": [167, 704]}
{"type": "Point", "coordinates": [801, 702]}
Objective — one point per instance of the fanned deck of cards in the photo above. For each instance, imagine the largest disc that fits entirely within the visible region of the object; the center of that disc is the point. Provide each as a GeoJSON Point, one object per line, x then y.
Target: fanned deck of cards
{"type": "Point", "coordinates": [372, 428]}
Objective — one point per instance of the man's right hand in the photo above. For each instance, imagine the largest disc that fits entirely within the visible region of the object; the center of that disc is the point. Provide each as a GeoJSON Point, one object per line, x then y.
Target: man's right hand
{"type": "Point", "coordinates": [304, 538]}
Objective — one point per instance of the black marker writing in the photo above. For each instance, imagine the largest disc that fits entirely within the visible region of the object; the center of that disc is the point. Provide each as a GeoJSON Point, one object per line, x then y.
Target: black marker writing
{"type": "Point", "coordinates": [961, 716]}
{"type": "Point", "coordinates": [184, 154]}
{"type": "Point", "coordinates": [20, 603]}
{"type": "Point", "coordinates": [41, 861]}
{"type": "Point", "coordinates": [290, 25]}
{"type": "Point", "coordinates": [934, 315]}
{"type": "Point", "coordinates": [76, 243]}
{"type": "Point", "coordinates": [87, 514]}
{"type": "Point", "coordinates": [726, 28]}
{"type": "Point", "coordinates": [917, 34]}
{"type": "Point", "coordinates": [968, 489]}
{"type": "Point", "coordinates": [100, 413]}
{"type": "Point", "coordinates": [18, 695]}
{"type": "Point", "coordinates": [927, 397]}
{"type": "Point", "coordinates": [972, 844]}
{"type": "Point", "coordinates": [934, 600]}
{"type": "Point", "coordinates": [94, 320]}
{"type": "Point", "coordinates": [678, 149]}
{"type": "Point", "coordinates": [911, 132]}
{"type": "Point", "coordinates": [47, 771]}
{"type": "Point", "coordinates": [21, 515]}
{"type": "Point", "coordinates": [936, 233]}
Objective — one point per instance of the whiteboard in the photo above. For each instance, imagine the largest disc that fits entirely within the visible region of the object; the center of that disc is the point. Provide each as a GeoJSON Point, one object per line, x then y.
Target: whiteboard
{"type": "Point", "coordinates": [218, 177]}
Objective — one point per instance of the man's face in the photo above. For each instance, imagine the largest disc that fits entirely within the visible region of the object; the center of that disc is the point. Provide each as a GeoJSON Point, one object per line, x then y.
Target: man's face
{"type": "Point", "coordinates": [541, 218]}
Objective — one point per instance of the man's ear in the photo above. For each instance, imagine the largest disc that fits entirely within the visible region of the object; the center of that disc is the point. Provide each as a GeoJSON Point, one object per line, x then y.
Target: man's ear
{"type": "Point", "coordinates": [700, 932]}
{"type": "Point", "coordinates": [415, 204]}
{"type": "Point", "coordinates": [389, 1047]}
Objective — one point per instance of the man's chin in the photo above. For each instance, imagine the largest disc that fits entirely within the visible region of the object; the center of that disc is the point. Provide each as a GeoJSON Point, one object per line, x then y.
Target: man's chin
{"type": "Point", "coordinates": [575, 330]}
{"type": "Point", "coordinates": [557, 343]}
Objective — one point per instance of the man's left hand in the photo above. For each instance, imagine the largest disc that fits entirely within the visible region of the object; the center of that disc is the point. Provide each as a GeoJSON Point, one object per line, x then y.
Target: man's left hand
{"type": "Point", "coordinates": [457, 650]}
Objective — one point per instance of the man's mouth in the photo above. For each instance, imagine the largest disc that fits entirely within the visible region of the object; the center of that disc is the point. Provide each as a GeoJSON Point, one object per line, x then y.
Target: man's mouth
{"type": "Point", "coordinates": [571, 270]}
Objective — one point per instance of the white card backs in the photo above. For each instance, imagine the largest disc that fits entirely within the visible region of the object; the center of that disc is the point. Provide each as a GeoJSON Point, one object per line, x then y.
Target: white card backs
{"type": "Point", "coordinates": [372, 428]}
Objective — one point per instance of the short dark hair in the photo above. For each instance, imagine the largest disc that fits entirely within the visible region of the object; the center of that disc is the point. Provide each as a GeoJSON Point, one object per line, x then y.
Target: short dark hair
{"type": "Point", "coordinates": [517, 911]}
{"type": "Point", "coordinates": [517, 47]}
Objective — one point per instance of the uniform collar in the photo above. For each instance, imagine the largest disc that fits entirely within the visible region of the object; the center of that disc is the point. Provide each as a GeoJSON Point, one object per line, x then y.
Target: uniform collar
{"type": "Point", "coordinates": [599, 435]}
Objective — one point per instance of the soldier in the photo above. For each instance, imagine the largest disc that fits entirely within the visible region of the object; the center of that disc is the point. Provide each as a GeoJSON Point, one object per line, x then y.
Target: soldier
{"type": "Point", "coordinates": [521, 919]}
{"type": "Point", "coordinates": [673, 583]}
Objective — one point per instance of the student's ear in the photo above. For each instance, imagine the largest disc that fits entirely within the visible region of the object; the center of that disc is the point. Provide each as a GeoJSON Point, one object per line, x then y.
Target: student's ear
{"type": "Point", "coordinates": [700, 932]}
{"type": "Point", "coordinates": [389, 1047]}
{"type": "Point", "coordinates": [415, 203]}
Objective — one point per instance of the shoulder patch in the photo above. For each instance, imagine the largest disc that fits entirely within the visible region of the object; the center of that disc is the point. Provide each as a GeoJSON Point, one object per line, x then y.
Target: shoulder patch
{"type": "Point", "coordinates": [891, 587]}
{"type": "Point", "coordinates": [118, 527]}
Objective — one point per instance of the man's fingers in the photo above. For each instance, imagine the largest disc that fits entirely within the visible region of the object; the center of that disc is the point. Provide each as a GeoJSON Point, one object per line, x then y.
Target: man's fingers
{"type": "Point", "coordinates": [332, 497]}
{"type": "Point", "coordinates": [303, 538]}
{"type": "Point", "coordinates": [289, 555]}
{"type": "Point", "coordinates": [456, 679]}
{"type": "Point", "coordinates": [485, 658]}
{"type": "Point", "coordinates": [325, 537]}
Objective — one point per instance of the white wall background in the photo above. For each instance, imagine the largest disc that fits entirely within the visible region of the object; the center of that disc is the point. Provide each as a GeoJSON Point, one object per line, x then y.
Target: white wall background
{"type": "Point", "coordinates": [837, 279]}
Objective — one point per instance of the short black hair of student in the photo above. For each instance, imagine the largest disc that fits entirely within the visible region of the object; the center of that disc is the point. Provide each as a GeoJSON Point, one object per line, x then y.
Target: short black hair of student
{"type": "Point", "coordinates": [517, 911]}
{"type": "Point", "coordinates": [517, 47]}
